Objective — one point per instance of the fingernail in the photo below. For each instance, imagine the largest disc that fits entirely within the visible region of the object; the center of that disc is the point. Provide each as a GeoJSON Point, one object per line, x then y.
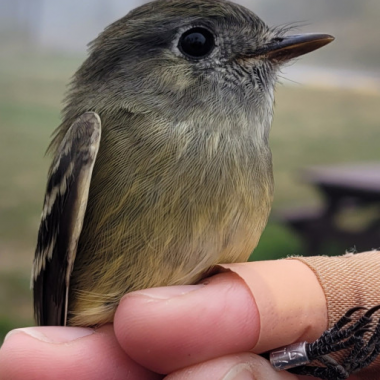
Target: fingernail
{"type": "Point", "coordinates": [166, 292]}
{"type": "Point", "coordinates": [53, 334]}
{"type": "Point", "coordinates": [239, 372]}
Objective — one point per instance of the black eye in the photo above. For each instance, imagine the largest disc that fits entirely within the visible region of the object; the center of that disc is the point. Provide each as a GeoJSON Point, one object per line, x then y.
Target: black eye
{"type": "Point", "coordinates": [196, 43]}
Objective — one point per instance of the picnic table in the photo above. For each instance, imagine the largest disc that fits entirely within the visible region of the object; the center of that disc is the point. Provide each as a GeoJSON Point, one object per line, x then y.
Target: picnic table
{"type": "Point", "coordinates": [343, 187]}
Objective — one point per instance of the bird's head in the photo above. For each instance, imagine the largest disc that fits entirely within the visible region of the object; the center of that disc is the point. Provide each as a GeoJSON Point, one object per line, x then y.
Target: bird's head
{"type": "Point", "coordinates": [199, 59]}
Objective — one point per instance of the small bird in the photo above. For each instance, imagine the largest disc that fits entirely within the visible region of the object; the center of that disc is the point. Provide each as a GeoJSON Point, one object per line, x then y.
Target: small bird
{"type": "Point", "coordinates": [162, 169]}
{"type": "Point", "coordinates": [161, 165]}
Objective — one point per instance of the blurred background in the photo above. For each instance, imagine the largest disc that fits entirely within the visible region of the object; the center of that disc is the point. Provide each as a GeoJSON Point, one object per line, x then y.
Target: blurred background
{"type": "Point", "coordinates": [327, 114]}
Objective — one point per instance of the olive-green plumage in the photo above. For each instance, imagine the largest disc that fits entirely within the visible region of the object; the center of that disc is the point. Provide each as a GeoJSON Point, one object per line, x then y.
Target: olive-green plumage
{"type": "Point", "coordinates": [183, 176]}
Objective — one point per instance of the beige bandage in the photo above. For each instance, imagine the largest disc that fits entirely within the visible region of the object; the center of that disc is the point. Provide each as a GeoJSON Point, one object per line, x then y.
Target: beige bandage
{"type": "Point", "coordinates": [348, 281]}
{"type": "Point", "coordinates": [287, 294]}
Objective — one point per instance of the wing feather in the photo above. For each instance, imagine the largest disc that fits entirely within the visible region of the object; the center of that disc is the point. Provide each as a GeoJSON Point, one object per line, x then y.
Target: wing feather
{"type": "Point", "coordinates": [62, 219]}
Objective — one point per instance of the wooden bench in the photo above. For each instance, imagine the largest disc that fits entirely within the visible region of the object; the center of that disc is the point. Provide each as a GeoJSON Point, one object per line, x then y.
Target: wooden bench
{"type": "Point", "coordinates": [353, 187]}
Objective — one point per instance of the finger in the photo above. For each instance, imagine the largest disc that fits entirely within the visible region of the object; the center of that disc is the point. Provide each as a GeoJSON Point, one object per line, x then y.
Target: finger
{"type": "Point", "coordinates": [245, 366]}
{"type": "Point", "coordinates": [183, 329]}
{"type": "Point", "coordinates": [67, 353]}
{"type": "Point", "coordinates": [166, 329]}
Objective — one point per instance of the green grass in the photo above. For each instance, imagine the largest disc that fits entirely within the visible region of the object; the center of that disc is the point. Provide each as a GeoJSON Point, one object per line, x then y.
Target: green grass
{"type": "Point", "coordinates": [311, 127]}
{"type": "Point", "coordinates": [276, 242]}
{"type": "Point", "coordinates": [318, 127]}
{"type": "Point", "coordinates": [31, 91]}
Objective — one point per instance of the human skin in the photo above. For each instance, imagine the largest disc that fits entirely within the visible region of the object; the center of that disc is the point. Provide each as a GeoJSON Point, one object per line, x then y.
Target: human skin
{"type": "Point", "coordinates": [210, 330]}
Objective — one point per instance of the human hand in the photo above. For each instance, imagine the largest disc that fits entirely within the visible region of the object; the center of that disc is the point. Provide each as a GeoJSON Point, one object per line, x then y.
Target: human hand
{"type": "Point", "coordinates": [210, 331]}
{"type": "Point", "coordinates": [190, 332]}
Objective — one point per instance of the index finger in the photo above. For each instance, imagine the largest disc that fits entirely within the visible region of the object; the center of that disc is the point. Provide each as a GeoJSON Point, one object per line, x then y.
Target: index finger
{"type": "Point", "coordinates": [259, 307]}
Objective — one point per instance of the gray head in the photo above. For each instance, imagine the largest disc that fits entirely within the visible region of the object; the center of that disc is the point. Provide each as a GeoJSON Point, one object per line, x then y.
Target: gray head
{"type": "Point", "coordinates": [188, 59]}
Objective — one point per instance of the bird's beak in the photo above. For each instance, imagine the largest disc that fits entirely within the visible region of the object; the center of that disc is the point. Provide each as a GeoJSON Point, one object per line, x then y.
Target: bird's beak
{"type": "Point", "coordinates": [282, 49]}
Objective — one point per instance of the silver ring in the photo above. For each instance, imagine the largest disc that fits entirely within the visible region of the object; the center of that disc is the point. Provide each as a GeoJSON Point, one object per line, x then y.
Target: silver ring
{"type": "Point", "coordinates": [290, 356]}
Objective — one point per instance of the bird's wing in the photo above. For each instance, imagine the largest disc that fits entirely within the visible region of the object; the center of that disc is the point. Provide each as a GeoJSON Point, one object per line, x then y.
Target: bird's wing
{"type": "Point", "coordinates": [62, 219]}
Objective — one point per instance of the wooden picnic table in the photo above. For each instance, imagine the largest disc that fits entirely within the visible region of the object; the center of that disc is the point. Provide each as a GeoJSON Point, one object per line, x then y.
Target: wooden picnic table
{"type": "Point", "coordinates": [343, 187]}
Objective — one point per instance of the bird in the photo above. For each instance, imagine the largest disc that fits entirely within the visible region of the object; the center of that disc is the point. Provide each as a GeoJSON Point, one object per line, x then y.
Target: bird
{"type": "Point", "coordinates": [161, 166]}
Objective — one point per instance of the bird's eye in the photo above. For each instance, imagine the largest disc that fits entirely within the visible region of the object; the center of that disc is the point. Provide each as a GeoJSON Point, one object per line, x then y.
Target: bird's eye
{"type": "Point", "coordinates": [196, 43]}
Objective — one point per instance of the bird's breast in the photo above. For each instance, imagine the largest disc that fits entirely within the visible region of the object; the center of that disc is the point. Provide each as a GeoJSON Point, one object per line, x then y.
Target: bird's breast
{"type": "Point", "coordinates": [163, 208]}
